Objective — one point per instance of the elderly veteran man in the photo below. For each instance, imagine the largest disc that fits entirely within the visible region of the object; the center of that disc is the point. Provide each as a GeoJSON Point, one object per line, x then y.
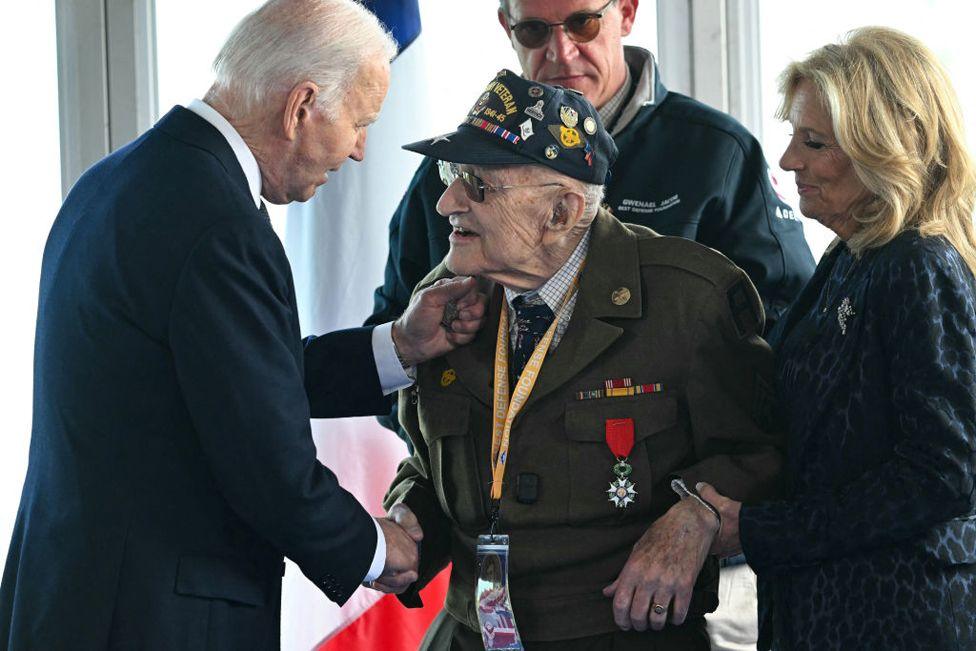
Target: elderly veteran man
{"type": "Point", "coordinates": [614, 360]}
{"type": "Point", "coordinates": [683, 169]}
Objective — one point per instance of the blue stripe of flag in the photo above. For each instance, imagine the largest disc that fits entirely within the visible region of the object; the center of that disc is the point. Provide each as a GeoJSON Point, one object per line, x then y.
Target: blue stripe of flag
{"type": "Point", "coordinates": [401, 17]}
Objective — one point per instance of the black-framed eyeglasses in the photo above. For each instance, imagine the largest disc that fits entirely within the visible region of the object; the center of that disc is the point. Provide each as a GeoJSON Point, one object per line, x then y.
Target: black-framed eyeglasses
{"type": "Point", "coordinates": [474, 186]}
{"type": "Point", "coordinates": [581, 27]}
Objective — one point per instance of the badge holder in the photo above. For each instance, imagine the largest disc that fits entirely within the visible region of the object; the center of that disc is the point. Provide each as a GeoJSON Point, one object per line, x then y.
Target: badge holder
{"type": "Point", "coordinates": [495, 616]}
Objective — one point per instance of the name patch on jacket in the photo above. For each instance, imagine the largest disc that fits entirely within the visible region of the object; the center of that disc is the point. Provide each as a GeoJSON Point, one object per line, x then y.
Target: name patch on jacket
{"type": "Point", "coordinates": [641, 206]}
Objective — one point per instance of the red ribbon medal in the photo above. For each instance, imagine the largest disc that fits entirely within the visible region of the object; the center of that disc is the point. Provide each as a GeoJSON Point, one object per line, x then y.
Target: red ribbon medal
{"type": "Point", "coordinates": [620, 439]}
{"type": "Point", "coordinates": [620, 436]}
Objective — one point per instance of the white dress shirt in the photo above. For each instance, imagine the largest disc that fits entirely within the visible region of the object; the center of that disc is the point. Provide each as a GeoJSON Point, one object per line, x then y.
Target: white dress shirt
{"type": "Point", "coordinates": [391, 373]}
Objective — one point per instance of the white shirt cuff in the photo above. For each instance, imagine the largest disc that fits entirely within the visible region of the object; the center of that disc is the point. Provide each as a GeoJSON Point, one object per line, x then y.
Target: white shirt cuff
{"type": "Point", "coordinates": [379, 556]}
{"type": "Point", "coordinates": [393, 377]}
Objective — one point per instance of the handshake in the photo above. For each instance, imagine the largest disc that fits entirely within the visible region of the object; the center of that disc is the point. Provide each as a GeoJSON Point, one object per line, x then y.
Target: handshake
{"type": "Point", "coordinates": [403, 535]}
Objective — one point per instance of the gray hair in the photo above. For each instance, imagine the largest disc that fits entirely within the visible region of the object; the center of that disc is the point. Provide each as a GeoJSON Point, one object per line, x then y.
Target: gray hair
{"type": "Point", "coordinates": [592, 198]}
{"type": "Point", "coordinates": [285, 42]}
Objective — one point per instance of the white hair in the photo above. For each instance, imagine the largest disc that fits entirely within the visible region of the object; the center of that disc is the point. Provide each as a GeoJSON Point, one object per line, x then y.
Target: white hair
{"type": "Point", "coordinates": [285, 42]}
{"type": "Point", "coordinates": [592, 198]}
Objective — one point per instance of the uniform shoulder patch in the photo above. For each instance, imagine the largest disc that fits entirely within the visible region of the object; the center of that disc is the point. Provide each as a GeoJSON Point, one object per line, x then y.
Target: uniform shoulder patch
{"type": "Point", "coordinates": [745, 308]}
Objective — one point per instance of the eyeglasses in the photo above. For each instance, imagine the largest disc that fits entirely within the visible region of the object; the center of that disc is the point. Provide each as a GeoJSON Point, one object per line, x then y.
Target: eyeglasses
{"type": "Point", "coordinates": [581, 27]}
{"type": "Point", "coordinates": [474, 187]}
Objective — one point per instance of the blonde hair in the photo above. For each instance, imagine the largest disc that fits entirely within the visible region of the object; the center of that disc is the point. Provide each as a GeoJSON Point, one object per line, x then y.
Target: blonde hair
{"type": "Point", "coordinates": [896, 115]}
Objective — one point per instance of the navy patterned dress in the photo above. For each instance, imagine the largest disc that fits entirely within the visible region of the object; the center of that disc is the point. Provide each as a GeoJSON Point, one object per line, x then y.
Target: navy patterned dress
{"type": "Point", "coordinates": [875, 547]}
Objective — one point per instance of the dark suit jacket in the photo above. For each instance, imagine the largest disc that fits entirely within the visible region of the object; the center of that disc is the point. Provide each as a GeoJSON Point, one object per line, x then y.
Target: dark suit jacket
{"type": "Point", "coordinates": [171, 461]}
{"type": "Point", "coordinates": [876, 547]}
{"type": "Point", "coordinates": [692, 323]}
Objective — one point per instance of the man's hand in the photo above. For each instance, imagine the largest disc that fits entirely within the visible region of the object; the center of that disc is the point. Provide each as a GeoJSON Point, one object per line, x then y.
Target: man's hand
{"type": "Point", "coordinates": [421, 333]}
{"type": "Point", "coordinates": [727, 542]}
{"type": "Point", "coordinates": [402, 556]}
{"type": "Point", "coordinates": [661, 571]}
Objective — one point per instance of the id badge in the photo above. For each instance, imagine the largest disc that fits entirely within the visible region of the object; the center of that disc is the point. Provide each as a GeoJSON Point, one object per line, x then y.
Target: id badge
{"type": "Point", "coordinates": [498, 630]}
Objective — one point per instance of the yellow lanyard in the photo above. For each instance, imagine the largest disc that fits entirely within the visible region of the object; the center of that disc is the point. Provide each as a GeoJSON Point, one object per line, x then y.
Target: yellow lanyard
{"type": "Point", "coordinates": [506, 410]}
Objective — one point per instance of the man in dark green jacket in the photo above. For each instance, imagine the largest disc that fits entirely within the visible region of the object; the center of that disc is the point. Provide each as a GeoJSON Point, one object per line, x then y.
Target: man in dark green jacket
{"type": "Point", "coordinates": [651, 367]}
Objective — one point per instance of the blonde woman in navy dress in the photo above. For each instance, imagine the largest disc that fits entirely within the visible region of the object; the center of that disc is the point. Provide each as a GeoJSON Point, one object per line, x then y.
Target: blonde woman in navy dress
{"type": "Point", "coordinates": [875, 544]}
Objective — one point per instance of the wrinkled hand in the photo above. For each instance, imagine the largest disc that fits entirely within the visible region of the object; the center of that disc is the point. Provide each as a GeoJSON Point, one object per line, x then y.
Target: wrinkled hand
{"type": "Point", "coordinates": [727, 542]}
{"type": "Point", "coordinates": [402, 569]}
{"type": "Point", "coordinates": [419, 334]}
{"type": "Point", "coordinates": [662, 568]}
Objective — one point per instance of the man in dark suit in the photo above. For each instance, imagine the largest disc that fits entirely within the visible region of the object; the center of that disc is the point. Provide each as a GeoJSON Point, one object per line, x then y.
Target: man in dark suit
{"type": "Point", "coordinates": [171, 462]}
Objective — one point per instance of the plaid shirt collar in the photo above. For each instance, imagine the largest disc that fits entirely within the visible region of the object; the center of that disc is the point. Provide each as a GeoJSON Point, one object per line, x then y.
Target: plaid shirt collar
{"type": "Point", "coordinates": [553, 291]}
{"type": "Point", "coordinates": [609, 111]}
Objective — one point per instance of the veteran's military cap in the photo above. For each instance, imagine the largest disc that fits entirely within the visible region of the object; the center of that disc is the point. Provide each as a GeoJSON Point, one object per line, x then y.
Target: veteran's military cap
{"type": "Point", "coordinates": [518, 122]}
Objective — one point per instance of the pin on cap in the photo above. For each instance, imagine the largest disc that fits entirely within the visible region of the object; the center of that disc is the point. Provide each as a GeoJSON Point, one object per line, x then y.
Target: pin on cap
{"type": "Point", "coordinates": [569, 116]}
{"type": "Point", "coordinates": [535, 111]}
{"type": "Point", "coordinates": [515, 121]}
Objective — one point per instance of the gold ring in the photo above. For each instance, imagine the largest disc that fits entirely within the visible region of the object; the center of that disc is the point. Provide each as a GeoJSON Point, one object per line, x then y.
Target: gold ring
{"type": "Point", "coordinates": [659, 609]}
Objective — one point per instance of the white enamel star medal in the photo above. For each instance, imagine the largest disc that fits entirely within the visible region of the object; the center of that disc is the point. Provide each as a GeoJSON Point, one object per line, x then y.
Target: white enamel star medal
{"type": "Point", "coordinates": [622, 492]}
{"type": "Point", "coordinates": [620, 439]}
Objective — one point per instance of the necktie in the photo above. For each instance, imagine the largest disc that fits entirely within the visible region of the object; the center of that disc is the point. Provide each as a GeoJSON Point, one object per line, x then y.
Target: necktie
{"type": "Point", "coordinates": [531, 322]}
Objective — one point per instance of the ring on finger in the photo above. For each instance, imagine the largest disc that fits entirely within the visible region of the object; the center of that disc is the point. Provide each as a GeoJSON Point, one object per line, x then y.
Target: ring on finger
{"type": "Point", "coordinates": [659, 609]}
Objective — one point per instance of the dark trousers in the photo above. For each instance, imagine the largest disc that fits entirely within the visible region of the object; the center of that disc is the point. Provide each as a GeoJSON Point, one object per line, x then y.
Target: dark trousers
{"type": "Point", "coordinates": [448, 634]}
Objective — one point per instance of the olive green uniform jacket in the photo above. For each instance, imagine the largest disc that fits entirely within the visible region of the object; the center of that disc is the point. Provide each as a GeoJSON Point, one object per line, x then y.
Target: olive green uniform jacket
{"type": "Point", "coordinates": [691, 323]}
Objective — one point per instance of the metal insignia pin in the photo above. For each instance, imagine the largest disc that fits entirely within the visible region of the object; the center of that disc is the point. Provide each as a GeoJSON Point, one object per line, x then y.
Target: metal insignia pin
{"type": "Point", "coordinates": [526, 128]}
{"type": "Point", "coordinates": [620, 296]}
{"type": "Point", "coordinates": [551, 152]}
{"type": "Point", "coordinates": [565, 136]}
{"type": "Point", "coordinates": [589, 125]}
{"type": "Point", "coordinates": [535, 91]}
{"type": "Point", "coordinates": [450, 314]}
{"type": "Point", "coordinates": [569, 116]}
{"type": "Point", "coordinates": [535, 111]}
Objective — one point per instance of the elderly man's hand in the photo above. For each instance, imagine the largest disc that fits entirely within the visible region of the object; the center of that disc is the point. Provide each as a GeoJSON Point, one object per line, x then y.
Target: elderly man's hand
{"type": "Point", "coordinates": [662, 568]}
{"type": "Point", "coordinates": [440, 318]}
{"type": "Point", "coordinates": [403, 535]}
{"type": "Point", "coordinates": [727, 542]}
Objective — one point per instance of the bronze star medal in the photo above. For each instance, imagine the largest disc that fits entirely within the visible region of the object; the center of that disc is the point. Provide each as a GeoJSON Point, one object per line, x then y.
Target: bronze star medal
{"type": "Point", "coordinates": [620, 438]}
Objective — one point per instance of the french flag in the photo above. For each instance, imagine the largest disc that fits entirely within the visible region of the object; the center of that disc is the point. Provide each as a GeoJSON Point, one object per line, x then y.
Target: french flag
{"type": "Point", "coordinates": [337, 244]}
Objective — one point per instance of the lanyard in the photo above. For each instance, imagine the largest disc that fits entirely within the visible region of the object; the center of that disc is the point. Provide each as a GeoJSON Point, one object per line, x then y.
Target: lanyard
{"type": "Point", "coordinates": [505, 409]}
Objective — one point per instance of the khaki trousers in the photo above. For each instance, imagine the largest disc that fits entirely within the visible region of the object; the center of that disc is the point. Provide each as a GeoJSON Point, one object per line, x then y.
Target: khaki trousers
{"type": "Point", "coordinates": [734, 626]}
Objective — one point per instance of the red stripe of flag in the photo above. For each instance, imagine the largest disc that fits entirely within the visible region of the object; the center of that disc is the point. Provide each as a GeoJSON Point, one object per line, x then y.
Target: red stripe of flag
{"type": "Point", "coordinates": [388, 625]}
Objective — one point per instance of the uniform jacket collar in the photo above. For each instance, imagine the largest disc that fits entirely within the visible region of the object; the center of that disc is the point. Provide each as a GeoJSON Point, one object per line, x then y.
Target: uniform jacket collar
{"type": "Point", "coordinates": [613, 263]}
